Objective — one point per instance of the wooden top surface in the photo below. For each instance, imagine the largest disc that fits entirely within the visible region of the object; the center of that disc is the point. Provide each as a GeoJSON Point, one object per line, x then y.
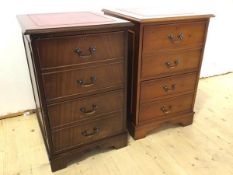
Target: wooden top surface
{"type": "Point", "coordinates": [145, 15]}
{"type": "Point", "coordinates": [58, 22]}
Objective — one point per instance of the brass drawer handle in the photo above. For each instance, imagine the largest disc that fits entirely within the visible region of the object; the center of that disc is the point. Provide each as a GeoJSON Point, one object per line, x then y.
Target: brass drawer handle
{"type": "Point", "coordinates": [88, 84]}
{"type": "Point", "coordinates": [93, 132]}
{"type": "Point", "coordinates": [172, 65]}
{"type": "Point", "coordinates": [166, 109]}
{"type": "Point", "coordinates": [171, 88]}
{"type": "Point", "coordinates": [89, 112]}
{"type": "Point", "coordinates": [92, 51]}
{"type": "Point", "coordinates": [176, 39]}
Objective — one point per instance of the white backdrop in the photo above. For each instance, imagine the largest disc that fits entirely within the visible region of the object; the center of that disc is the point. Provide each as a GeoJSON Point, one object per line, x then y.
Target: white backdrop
{"type": "Point", "coordinates": [15, 88]}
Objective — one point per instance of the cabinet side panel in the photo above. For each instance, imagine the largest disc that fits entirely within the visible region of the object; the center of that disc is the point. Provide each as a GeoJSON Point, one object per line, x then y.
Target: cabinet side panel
{"type": "Point", "coordinates": [34, 81]}
{"type": "Point", "coordinates": [201, 59]}
{"type": "Point", "coordinates": [131, 40]}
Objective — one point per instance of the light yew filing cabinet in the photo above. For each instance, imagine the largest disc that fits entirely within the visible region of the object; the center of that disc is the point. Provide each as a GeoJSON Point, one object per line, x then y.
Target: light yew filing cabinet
{"type": "Point", "coordinates": [78, 68]}
{"type": "Point", "coordinates": [165, 56]}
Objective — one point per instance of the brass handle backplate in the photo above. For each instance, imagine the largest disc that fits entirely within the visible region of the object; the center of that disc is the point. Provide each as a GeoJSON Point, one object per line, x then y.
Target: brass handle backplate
{"type": "Point", "coordinates": [176, 39]}
{"type": "Point", "coordinates": [92, 51]}
{"type": "Point", "coordinates": [172, 64]}
{"type": "Point", "coordinates": [166, 88]}
{"type": "Point", "coordinates": [87, 84]}
{"type": "Point", "coordinates": [166, 109]}
{"type": "Point", "coordinates": [89, 112]}
{"type": "Point", "coordinates": [91, 133]}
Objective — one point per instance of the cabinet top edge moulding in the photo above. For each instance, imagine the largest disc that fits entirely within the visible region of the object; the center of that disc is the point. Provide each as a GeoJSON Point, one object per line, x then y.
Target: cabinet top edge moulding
{"type": "Point", "coordinates": [68, 22]}
{"type": "Point", "coordinates": [149, 15]}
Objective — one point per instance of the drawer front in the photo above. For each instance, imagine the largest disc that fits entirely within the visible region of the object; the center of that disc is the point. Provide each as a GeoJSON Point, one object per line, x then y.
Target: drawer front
{"type": "Point", "coordinates": [163, 108]}
{"type": "Point", "coordinates": [86, 108]}
{"type": "Point", "coordinates": [168, 63]}
{"type": "Point", "coordinates": [167, 86]}
{"type": "Point", "coordinates": [80, 49]}
{"type": "Point", "coordinates": [74, 82]}
{"type": "Point", "coordinates": [87, 133]}
{"type": "Point", "coordinates": [173, 36]}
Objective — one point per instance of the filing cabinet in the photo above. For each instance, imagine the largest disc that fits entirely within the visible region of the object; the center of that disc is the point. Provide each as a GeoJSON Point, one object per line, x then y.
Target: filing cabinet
{"type": "Point", "coordinates": [78, 67]}
{"type": "Point", "coordinates": [164, 65]}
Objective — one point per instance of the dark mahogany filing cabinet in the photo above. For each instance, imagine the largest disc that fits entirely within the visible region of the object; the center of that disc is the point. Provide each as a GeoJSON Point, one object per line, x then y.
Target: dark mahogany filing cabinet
{"type": "Point", "coordinates": [78, 69]}
{"type": "Point", "coordinates": [165, 57]}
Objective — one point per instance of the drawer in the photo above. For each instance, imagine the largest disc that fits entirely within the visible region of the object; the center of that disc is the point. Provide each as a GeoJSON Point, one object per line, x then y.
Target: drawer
{"type": "Point", "coordinates": [168, 63]}
{"type": "Point", "coordinates": [163, 108]}
{"type": "Point", "coordinates": [167, 86]}
{"type": "Point", "coordinates": [86, 108]}
{"type": "Point", "coordinates": [86, 133]}
{"type": "Point", "coordinates": [173, 36]}
{"type": "Point", "coordinates": [72, 50]}
{"type": "Point", "coordinates": [76, 82]}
